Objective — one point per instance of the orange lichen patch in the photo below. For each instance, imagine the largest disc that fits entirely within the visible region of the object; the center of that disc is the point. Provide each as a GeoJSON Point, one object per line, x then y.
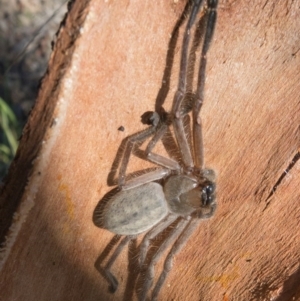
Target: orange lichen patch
{"type": "Point", "coordinates": [68, 200]}
{"type": "Point", "coordinates": [224, 279]}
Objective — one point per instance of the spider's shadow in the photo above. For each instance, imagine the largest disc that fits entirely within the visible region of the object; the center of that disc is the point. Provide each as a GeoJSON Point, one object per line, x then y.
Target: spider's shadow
{"type": "Point", "coordinates": [169, 144]}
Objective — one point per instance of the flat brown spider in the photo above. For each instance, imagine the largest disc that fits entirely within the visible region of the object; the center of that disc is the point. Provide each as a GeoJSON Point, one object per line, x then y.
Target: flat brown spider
{"type": "Point", "coordinates": [182, 191]}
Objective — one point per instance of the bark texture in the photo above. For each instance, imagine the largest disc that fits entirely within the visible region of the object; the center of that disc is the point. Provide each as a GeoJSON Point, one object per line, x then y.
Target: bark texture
{"type": "Point", "coordinates": [111, 64]}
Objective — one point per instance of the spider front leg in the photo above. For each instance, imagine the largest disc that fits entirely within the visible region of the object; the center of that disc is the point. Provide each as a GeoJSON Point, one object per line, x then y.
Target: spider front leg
{"type": "Point", "coordinates": [131, 141]}
{"type": "Point", "coordinates": [199, 95]}
{"type": "Point", "coordinates": [182, 90]}
{"type": "Point", "coordinates": [158, 159]}
{"type": "Point", "coordinates": [157, 131]}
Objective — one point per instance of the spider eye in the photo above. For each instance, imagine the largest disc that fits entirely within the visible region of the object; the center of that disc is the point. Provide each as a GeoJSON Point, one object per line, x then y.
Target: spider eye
{"type": "Point", "coordinates": [208, 193]}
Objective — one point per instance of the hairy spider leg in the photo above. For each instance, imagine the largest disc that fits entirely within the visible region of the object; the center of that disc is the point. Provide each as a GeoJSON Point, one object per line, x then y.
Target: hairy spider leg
{"type": "Point", "coordinates": [158, 159]}
{"type": "Point", "coordinates": [144, 246]}
{"type": "Point", "coordinates": [211, 16]}
{"type": "Point", "coordinates": [110, 277]}
{"type": "Point", "coordinates": [181, 90]}
{"type": "Point", "coordinates": [157, 131]}
{"type": "Point", "coordinates": [187, 231]}
{"type": "Point", "coordinates": [150, 270]}
{"type": "Point", "coordinates": [139, 137]}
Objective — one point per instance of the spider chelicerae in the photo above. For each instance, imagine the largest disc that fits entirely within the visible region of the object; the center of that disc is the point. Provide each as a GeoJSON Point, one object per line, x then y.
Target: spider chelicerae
{"type": "Point", "coordinates": [181, 191]}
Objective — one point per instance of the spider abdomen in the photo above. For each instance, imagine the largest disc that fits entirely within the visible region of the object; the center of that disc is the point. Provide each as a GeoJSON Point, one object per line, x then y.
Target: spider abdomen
{"type": "Point", "coordinates": [135, 210]}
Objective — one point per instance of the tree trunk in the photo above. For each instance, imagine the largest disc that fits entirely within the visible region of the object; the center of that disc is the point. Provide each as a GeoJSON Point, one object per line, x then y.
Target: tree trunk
{"type": "Point", "coordinates": [112, 62]}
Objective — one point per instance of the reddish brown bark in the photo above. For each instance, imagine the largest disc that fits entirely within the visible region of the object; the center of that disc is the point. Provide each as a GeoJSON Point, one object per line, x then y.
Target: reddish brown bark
{"type": "Point", "coordinates": [106, 70]}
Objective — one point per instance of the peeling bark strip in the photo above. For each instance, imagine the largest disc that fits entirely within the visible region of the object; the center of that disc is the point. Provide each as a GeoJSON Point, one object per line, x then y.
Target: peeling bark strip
{"type": "Point", "coordinates": [36, 130]}
{"type": "Point", "coordinates": [107, 69]}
